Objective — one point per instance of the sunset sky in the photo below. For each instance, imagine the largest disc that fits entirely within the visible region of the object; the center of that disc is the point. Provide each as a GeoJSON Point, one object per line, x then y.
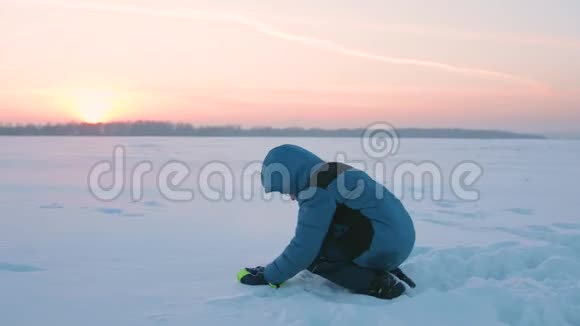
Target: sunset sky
{"type": "Point", "coordinates": [510, 64]}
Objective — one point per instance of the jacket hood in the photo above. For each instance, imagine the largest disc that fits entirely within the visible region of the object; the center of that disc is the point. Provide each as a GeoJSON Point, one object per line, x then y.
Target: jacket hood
{"type": "Point", "coordinates": [287, 169]}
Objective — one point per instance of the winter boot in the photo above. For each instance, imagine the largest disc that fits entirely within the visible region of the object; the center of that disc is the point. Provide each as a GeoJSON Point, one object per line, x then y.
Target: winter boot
{"type": "Point", "coordinates": [386, 286]}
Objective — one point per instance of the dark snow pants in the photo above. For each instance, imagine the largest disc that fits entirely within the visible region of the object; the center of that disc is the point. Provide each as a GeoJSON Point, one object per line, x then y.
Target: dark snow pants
{"type": "Point", "coordinates": [332, 265]}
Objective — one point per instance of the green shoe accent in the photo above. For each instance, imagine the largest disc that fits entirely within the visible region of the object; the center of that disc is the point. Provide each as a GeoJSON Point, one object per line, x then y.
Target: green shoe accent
{"type": "Point", "coordinates": [243, 272]}
{"type": "Point", "coordinates": [274, 286]}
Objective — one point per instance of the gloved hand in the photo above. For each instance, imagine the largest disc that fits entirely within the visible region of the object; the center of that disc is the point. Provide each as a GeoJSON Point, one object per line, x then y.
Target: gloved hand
{"type": "Point", "coordinates": [254, 276]}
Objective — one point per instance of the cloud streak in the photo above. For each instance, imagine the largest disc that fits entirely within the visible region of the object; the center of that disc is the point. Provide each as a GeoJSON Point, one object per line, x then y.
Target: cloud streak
{"type": "Point", "coordinates": [454, 33]}
{"type": "Point", "coordinates": [304, 40]}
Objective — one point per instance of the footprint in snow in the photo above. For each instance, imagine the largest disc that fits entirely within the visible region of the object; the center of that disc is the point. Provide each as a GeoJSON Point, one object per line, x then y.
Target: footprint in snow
{"type": "Point", "coordinates": [470, 215]}
{"type": "Point", "coordinates": [118, 211]}
{"type": "Point", "coordinates": [438, 222]}
{"type": "Point", "coordinates": [567, 226]}
{"type": "Point", "coordinates": [152, 203]}
{"type": "Point", "coordinates": [540, 228]}
{"type": "Point", "coordinates": [110, 211]}
{"type": "Point", "coordinates": [446, 203]}
{"type": "Point", "coordinates": [52, 206]}
{"type": "Point", "coordinates": [520, 211]}
{"type": "Point", "coordinates": [159, 317]}
{"type": "Point", "coordinates": [18, 268]}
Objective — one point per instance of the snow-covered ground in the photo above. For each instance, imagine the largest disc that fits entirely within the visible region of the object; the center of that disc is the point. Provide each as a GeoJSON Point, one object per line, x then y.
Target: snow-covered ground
{"type": "Point", "coordinates": [511, 257]}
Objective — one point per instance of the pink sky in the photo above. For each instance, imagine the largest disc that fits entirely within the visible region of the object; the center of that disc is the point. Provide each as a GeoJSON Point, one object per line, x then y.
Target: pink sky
{"type": "Point", "coordinates": [292, 63]}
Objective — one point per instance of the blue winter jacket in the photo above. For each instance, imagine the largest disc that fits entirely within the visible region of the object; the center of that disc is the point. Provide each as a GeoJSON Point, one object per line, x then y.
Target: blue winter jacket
{"type": "Point", "coordinates": [288, 168]}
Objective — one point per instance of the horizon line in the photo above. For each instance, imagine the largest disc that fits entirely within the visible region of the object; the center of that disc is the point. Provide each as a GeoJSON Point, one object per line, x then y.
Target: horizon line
{"type": "Point", "coordinates": [166, 128]}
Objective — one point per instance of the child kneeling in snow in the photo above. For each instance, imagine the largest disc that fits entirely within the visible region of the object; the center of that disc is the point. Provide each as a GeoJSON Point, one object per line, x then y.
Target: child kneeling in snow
{"type": "Point", "coordinates": [351, 230]}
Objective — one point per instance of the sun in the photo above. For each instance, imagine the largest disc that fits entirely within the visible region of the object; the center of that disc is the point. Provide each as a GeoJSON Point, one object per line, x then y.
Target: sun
{"type": "Point", "coordinates": [93, 106]}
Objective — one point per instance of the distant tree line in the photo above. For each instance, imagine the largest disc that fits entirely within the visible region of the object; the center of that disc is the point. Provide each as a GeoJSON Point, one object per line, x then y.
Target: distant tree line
{"type": "Point", "coordinates": [160, 128]}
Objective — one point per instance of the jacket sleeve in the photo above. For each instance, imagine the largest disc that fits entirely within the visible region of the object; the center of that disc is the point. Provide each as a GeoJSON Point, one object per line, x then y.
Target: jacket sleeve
{"type": "Point", "coordinates": [314, 218]}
